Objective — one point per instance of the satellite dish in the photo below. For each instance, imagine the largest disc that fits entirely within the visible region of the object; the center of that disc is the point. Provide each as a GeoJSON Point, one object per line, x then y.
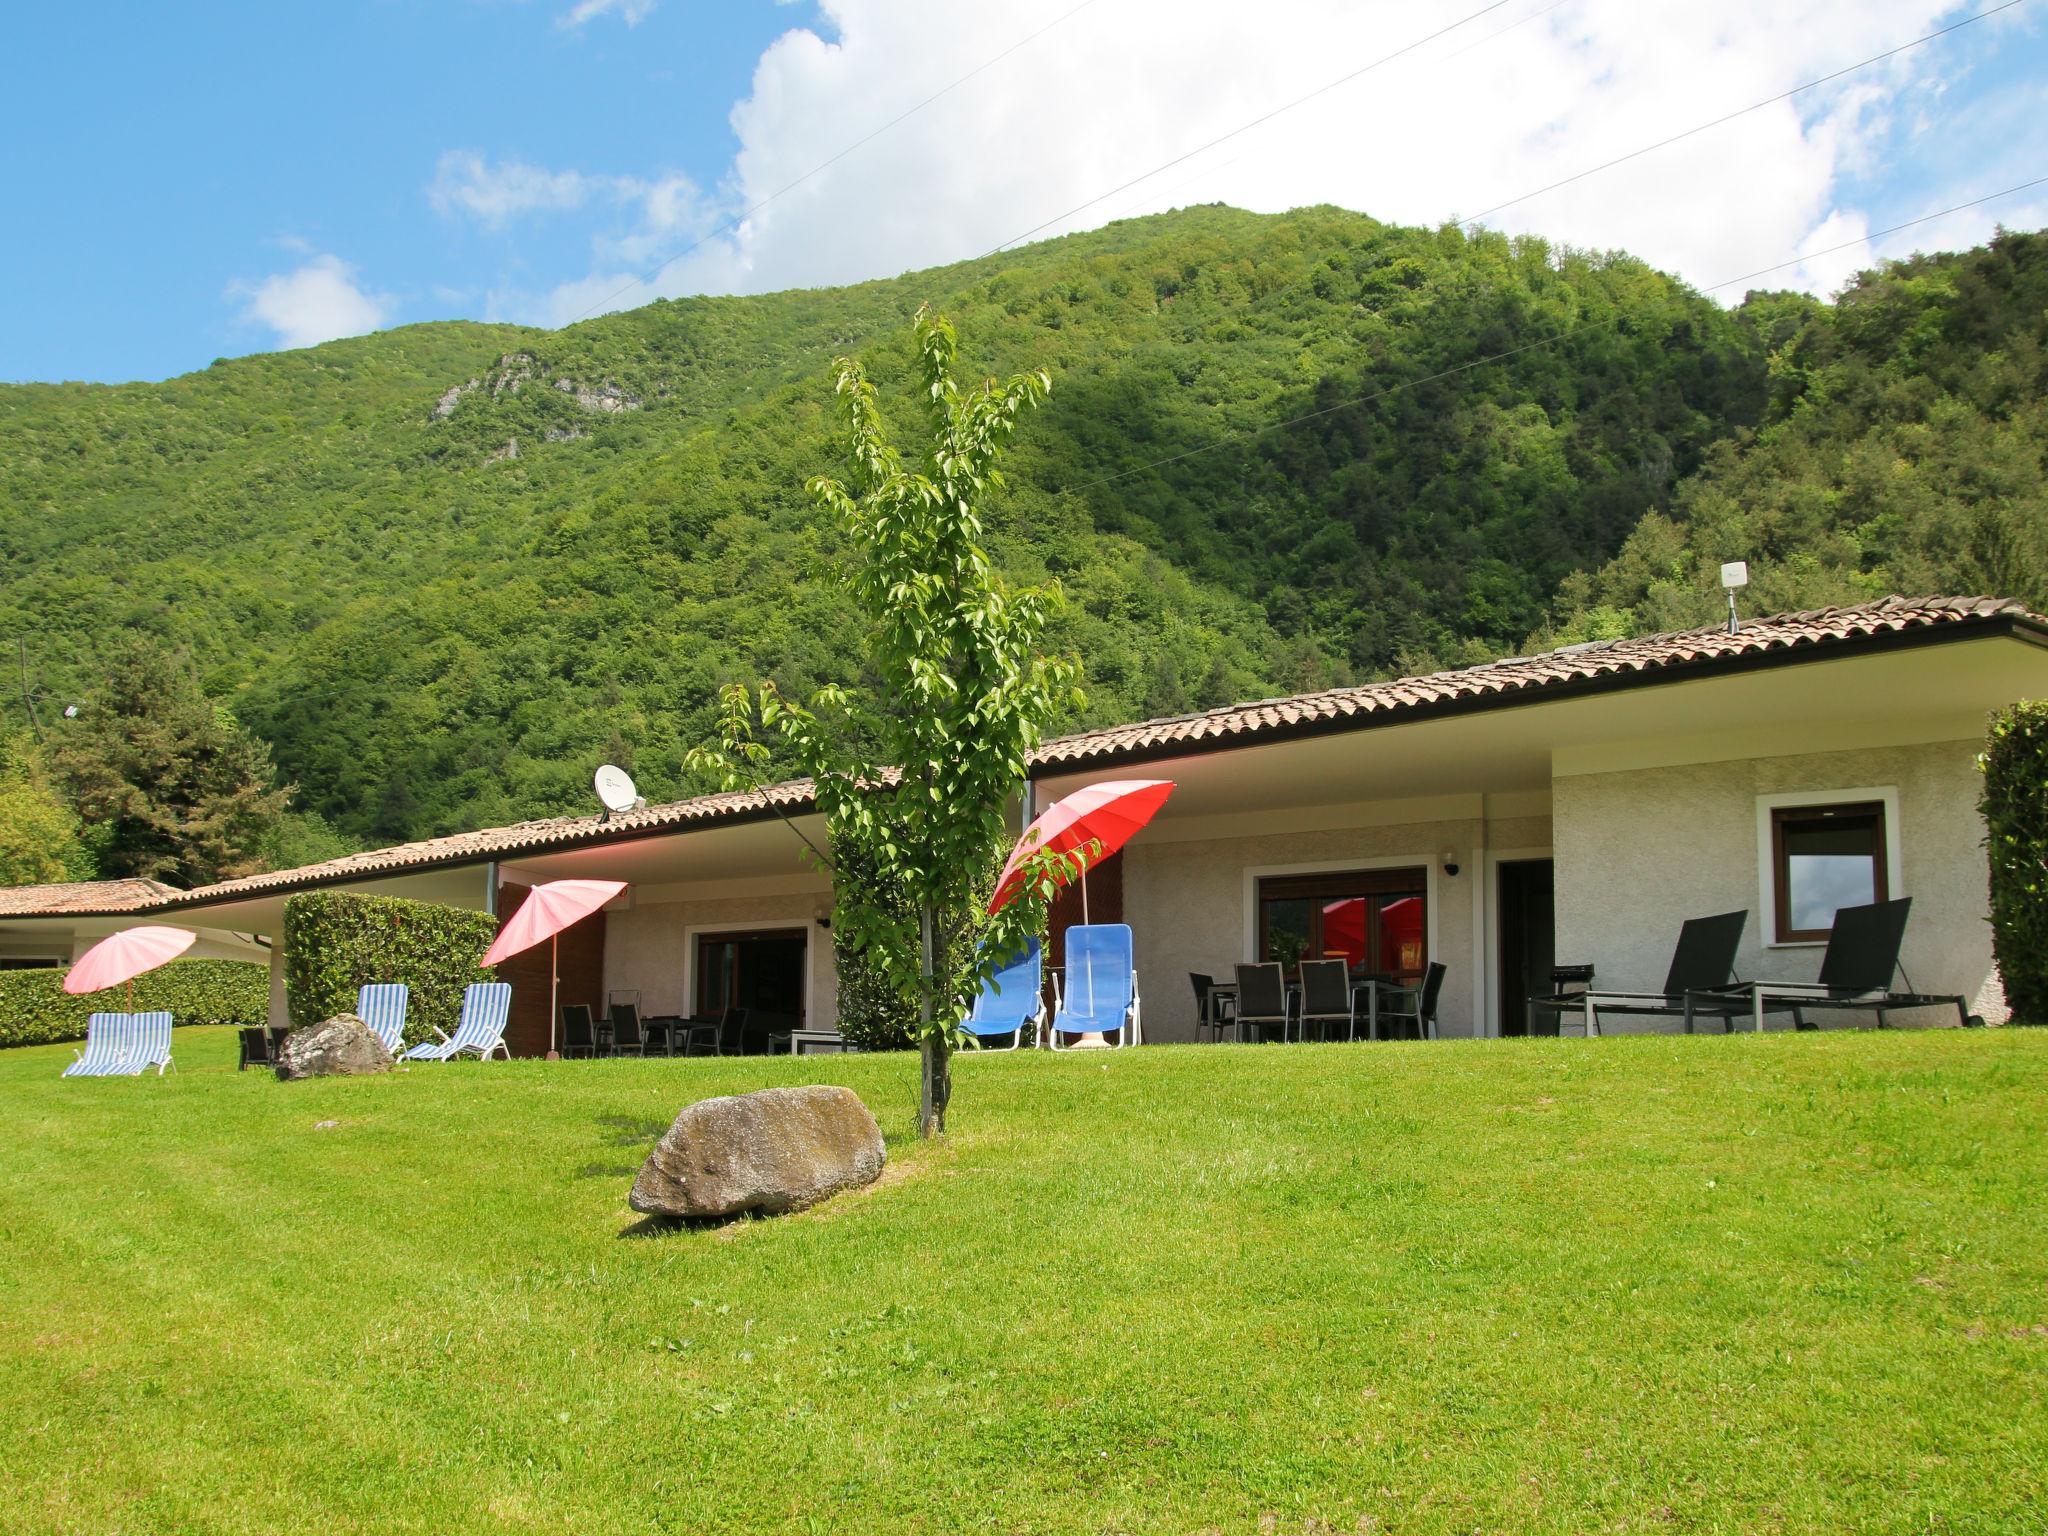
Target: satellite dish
{"type": "Point", "coordinates": [615, 789]}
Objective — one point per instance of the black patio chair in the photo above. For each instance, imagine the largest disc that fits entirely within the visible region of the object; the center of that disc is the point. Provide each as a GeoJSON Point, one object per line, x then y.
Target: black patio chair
{"type": "Point", "coordinates": [1414, 1005]}
{"type": "Point", "coordinates": [1702, 963]}
{"type": "Point", "coordinates": [579, 1034]}
{"type": "Point", "coordinates": [1210, 1011]}
{"type": "Point", "coordinates": [1326, 999]}
{"type": "Point", "coordinates": [1262, 1000]}
{"type": "Point", "coordinates": [626, 1036]}
{"type": "Point", "coordinates": [255, 1049]}
{"type": "Point", "coordinates": [735, 1038]}
{"type": "Point", "coordinates": [1856, 974]}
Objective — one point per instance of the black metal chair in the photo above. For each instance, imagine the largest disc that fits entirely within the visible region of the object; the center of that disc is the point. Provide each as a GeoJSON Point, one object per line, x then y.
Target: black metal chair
{"type": "Point", "coordinates": [1326, 999]}
{"type": "Point", "coordinates": [626, 1036]}
{"type": "Point", "coordinates": [579, 1034]}
{"type": "Point", "coordinates": [1210, 1010]}
{"type": "Point", "coordinates": [1856, 973]}
{"type": "Point", "coordinates": [255, 1050]}
{"type": "Point", "coordinates": [1414, 1005]}
{"type": "Point", "coordinates": [1702, 963]}
{"type": "Point", "coordinates": [1262, 999]}
{"type": "Point", "coordinates": [733, 1034]}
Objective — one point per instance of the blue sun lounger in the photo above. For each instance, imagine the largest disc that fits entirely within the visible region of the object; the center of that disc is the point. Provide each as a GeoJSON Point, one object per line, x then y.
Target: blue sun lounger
{"type": "Point", "coordinates": [1101, 991]}
{"type": "Point", "coordinates": [1010, 1002]}
{"type": "Point", "coordinates": [481, 1028]}
{"type": "Point", "coordinates": [381, 1005]}
{"type": "Point", "coordinates": [123, 1045]}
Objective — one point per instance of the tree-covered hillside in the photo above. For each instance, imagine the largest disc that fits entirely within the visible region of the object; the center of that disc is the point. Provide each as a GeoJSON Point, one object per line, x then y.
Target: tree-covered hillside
{"type": "Point", "coordinates": [445, 570]}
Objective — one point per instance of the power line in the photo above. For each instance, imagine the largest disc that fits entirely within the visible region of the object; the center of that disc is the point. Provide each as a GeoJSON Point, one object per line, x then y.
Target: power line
{"type": "Point", "coordinates": [1530, 346]}
{"type": "Point", "coordinates": [1729, 117]}
{"type": "Point", "coordinates": [1264, 117]}
{"type": "Point", "coordinates": [740, 218]}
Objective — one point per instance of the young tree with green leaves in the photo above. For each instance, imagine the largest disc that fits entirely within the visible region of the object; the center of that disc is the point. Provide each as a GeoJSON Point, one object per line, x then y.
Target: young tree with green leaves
{"type": "Point", "coordinates": [915, 775]}
{"type": "Point", "coordinates": [164, 778]}
{"type": "Point", "coordinates": [39, 841]}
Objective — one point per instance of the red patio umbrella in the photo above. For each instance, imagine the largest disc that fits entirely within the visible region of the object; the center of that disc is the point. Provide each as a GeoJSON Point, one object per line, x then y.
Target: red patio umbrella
{"type": "Point", "coordinates": [1109, 814]}
{"type": "Point", "coordinates": [125, 956]}
{"type": "Point", "coordinates": [547, 910]}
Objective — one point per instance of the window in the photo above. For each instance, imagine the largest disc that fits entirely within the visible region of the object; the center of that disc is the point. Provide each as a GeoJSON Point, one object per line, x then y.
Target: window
{"type": "Point", "coordinates": [24, 963]}
{"type": "Point", "coordinates": [1823, 858]}
{"type": "Point", "coordinates": [1372, 919]}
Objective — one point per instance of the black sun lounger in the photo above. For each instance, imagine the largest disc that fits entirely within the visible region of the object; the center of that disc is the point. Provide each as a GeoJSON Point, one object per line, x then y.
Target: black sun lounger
{"type": "Point", "coordinates": [1702, 964]}
{"type": "Point", "coordinates": [1855, 973]}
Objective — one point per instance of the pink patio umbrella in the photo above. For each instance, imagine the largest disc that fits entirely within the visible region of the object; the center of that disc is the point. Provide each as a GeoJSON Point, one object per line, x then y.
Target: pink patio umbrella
{"type": "Point", "coordinates": [1109, 814]}
{"type": "Point", "coordinates": [547, 910]}
{"type": "Point", "coordinates": [124, 956]}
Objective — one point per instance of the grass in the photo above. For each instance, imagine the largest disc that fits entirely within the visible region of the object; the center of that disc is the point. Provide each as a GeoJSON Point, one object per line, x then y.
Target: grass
{"type": "Point", "coordinates": [1715, 1284]}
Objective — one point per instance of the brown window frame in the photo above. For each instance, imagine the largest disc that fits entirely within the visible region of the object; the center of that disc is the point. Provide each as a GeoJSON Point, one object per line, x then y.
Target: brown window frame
{"type": "Point", "coordinates": [1781, 870]}
{"type": "Point", "coordinates": [1412, 879]}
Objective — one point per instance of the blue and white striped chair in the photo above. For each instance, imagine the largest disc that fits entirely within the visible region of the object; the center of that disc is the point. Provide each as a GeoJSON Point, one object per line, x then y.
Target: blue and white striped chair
{"type": "Point", "coordinates": [106, 1046]}
{"type": "Point", "coordinates": [485, 1007]}
{"type": "Point", "coordinates": [151, 1045]}
{"type": "Point", "coordinates": [124, 1045]}
{"type": "Point", "coordinates": [381, 1005]}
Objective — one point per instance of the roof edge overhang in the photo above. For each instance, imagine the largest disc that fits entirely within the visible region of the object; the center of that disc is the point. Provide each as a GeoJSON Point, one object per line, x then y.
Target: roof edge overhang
{"type": "Point", "coordinates": [2019, 626]}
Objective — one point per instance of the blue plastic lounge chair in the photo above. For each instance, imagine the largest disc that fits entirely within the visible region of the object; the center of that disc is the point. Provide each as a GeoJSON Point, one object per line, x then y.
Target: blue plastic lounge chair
{"type": "Point", "coordinates": [381, 1005]}
{"type": "Point", "coordinates": [106, 1046]}
{"type": "Point", "coordinates": [1011, 1002]}
{"type": "Point", "coordinates": [481, 1027]}
{"type": "Point", "coordinates": [1101, 993]}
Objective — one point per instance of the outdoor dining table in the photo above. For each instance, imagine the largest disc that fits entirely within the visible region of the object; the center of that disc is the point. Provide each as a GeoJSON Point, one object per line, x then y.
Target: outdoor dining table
{"type": "Point", "coordinates": [1369, 986]}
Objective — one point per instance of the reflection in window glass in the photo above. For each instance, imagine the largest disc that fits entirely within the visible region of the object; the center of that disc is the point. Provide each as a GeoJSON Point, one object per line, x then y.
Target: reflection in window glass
{"type": "Point", "coordinates": [1829, 857]}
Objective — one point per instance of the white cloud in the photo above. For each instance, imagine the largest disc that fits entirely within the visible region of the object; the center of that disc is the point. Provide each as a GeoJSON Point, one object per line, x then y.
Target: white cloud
{"type": "Point", "coordinates": [631, 12]}
{"type": "Point", "coordinates": [316, 302]}
{"type": "Point", "coordinates": [1526, 96]}
{"type": "Point", "coordinates": [465, 182]}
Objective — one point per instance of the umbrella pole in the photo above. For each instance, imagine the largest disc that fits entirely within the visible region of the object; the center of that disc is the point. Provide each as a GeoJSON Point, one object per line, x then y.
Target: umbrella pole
{"type": "Point", "coordinates": [554, 981]}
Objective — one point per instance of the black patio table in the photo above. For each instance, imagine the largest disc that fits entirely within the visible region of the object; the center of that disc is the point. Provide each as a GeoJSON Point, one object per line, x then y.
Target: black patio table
{"type": "Point", "coordinates": [1368, 985]}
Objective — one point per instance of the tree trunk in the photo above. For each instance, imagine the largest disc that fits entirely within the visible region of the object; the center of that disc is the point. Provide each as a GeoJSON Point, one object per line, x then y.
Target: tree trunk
{"type": "Point", "coordinates": [935, 1050]}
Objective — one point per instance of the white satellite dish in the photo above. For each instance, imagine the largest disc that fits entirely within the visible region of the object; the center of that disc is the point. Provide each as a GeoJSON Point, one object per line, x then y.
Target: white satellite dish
{"type": "Point", "coordinates": [615, 789]}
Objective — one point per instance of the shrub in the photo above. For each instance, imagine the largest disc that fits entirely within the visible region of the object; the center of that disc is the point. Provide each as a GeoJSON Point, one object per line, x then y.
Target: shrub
{"type": "Point", "coordinates": [334, 942]}
{"type": "Point", "coordinates": [2015, 806]}
{"type": "Point", "coordinates": [36, 1010]}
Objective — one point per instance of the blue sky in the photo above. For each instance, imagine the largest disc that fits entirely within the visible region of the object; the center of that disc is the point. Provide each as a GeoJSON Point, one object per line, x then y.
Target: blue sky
{"type": "Point", "coordinates": [203, 181]}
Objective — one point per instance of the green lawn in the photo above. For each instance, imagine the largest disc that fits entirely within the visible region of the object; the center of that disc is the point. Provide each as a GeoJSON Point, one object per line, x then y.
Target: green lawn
{"type": "Point", "coordinates": [1713, 1284]}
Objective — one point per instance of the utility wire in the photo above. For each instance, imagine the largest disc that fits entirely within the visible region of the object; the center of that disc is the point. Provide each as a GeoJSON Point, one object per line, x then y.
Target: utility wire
{"type": "Point", "coordinates": [1530, 346]}
{"type": "Point", "coordinates": [1262, 118]}
{"type": "Point", "coordinates": [1729, 117]}
{"type": "Point", "coordinates": [740, 218]}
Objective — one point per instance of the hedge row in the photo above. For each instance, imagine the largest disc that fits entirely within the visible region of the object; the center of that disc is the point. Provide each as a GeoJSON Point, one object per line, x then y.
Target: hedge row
{"type": "Point", "coordinates": [334, 942]}
{"type": "Point", "coordinates": [2015, 806]}
{"type": "Point", "coordinates": [36, 1010]}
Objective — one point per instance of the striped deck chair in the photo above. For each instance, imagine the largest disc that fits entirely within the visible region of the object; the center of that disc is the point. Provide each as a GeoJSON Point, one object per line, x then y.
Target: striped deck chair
{"type": "Point", "coordinates": [481, 1028]}
{"type": "Point", "coordinates": [150, 1045]}
{"type": "Point", "coordinates": [381, 1005]}
{"type": "Point", "coordinates": [106, 1046]}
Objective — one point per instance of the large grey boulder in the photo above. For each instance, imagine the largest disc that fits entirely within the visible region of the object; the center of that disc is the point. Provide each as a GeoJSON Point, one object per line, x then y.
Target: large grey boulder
{"type": "Point", "coordinates": [777, 1150]}
{"type": "Point", "coordinates": [344, 1046]}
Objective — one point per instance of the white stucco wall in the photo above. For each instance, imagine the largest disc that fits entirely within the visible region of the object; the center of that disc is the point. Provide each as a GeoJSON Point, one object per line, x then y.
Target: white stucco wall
{"type": "Point", "coordinates": [648, 947]}
{"type": "Point", "coordinates": [1639, 851]}
{"type": "Point", "coordinates": [1187, 903]}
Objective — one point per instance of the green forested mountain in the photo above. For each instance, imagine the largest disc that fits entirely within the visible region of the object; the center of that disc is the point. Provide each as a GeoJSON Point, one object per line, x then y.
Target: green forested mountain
{"type": "Point", "coordinates": [444, 570]}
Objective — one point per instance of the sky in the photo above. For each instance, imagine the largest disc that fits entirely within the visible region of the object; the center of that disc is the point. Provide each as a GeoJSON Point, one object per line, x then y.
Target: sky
{"type": "Point", "coordinates": [192, 182]}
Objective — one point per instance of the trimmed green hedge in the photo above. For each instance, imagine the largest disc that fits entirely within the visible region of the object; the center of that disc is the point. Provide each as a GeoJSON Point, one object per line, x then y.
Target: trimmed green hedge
{"type": "Point", "coordinates": [36, 1010]}
{"type": "Point", "coordinates": [2015, 806]}
{"type": "Point", "coordinates": [334, 942]}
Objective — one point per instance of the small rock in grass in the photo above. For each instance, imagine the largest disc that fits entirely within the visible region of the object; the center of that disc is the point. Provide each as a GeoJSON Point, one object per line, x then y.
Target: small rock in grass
{"type": "Point", "coordinates": [777, 1150]}
{"type": "Point", "coordinates": [327, 1125]}
{"type": "Point", "coordinates": [344, 1046]}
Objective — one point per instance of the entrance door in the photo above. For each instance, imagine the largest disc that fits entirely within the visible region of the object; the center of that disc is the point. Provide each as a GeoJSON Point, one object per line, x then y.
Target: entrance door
{"type": "Point", "coordinates": [1527, 939]}
{"type": "Point", "coordinates": [761, 972]}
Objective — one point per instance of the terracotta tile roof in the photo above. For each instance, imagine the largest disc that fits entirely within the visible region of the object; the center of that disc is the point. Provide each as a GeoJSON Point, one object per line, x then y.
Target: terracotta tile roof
{"type": "Point", "coordinates": [1575, 668]}
{"type": "Point", "coordinates": [1521, 679]}
{"type": "Point", "coordinates": [82, 896]}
